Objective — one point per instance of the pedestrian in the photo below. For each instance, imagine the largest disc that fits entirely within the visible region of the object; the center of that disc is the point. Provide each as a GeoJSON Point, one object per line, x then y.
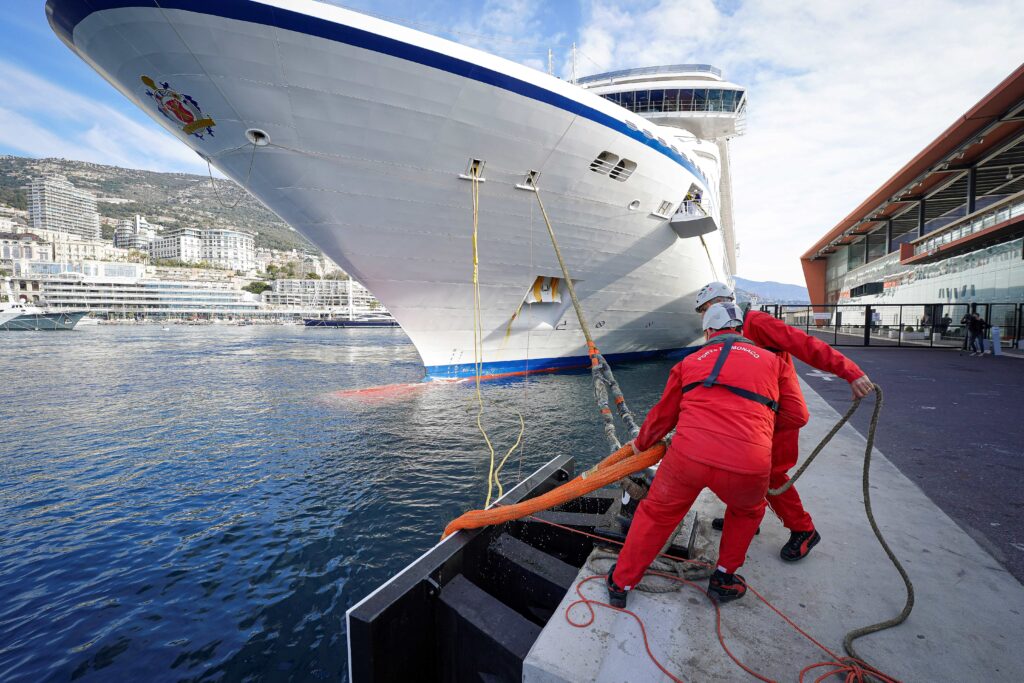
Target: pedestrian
{"type": "Point", "coordinates": [976, 328]}
{"type": "Point", "coordinates": [964, 327]}
{"type": "Point", "coordinates": [723, 401]}
{"type": "Point", "coordinates": [775, 335]}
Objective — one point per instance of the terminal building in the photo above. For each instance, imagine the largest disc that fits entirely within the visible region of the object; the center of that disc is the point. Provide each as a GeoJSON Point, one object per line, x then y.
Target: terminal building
{"type": "Point", "coordinates": [945, 233]}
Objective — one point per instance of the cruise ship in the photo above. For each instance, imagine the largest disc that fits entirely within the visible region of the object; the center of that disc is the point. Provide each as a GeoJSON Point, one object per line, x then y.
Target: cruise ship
{"type": "Point", "coordinates": [376, 141]}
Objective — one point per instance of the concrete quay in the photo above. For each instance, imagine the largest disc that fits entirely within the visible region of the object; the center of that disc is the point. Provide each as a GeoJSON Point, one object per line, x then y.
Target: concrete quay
{"type": "Point", "coordinates": [952, 424]}
{"type": "Point", "coordinates": [965, 626]}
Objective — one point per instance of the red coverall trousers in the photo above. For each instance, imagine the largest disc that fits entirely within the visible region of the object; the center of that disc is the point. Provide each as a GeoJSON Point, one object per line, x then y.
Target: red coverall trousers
{"type": "Point", "coordinates": [676, 486]}
{"type": "Point", "coordinates": [789, 508]}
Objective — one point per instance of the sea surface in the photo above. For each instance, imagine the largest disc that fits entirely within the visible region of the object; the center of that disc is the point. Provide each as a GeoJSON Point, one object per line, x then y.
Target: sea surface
{"type": "Point", "coordinates": [205, 503]}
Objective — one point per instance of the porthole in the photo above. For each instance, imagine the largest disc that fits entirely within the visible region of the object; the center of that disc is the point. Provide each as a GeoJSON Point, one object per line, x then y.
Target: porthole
{"type": "Point", "coordinates": [631, 125]}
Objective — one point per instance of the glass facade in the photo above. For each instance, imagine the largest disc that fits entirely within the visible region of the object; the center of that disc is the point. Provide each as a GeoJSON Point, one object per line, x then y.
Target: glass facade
{"type": "Point", "coordinates": [678, 99]}
{"type": "Point", "coordinates": [994, 274]}
{"type": "Point", "coordinates": [976, 224]}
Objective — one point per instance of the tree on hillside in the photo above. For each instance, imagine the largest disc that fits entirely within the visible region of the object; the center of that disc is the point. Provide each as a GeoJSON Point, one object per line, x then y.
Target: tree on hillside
{"type": "Point", "coordinates": [257, 287]}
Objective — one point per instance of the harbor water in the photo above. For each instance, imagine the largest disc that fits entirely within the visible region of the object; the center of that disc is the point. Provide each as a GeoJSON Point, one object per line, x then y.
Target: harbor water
{"type": "Point", "coordinates": [204, 503]}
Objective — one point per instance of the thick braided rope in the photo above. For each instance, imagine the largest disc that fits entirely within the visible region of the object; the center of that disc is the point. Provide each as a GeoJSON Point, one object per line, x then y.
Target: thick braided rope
{"type": "Point", "coordinates": [865, 485]}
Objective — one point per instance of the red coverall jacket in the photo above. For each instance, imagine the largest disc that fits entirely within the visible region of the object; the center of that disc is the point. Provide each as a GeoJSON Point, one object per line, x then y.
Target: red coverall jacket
{"type": "Point", "coordinates": [773, 334]}
{"type": "Point", "coordinates": [715, 426]}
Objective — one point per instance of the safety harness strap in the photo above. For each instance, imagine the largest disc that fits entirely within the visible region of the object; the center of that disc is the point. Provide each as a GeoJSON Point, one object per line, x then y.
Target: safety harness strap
{"type": "Point", "coordinates": [712, 380]}
{"type": "Point", "coordinates": [713, 377]}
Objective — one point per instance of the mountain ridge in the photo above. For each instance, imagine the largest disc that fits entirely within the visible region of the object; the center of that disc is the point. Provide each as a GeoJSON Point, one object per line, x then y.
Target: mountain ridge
{"type": "Point", "coordinates": [165, 198]}
{"type": "Point", "coordinates": [769, 291]}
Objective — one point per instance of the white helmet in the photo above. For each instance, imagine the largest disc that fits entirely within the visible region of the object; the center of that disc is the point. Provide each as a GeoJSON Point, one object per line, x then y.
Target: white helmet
{"type": "Point", "coordinates": [713, 290]}
{"type": "Point", "coordinates": [722, 315]}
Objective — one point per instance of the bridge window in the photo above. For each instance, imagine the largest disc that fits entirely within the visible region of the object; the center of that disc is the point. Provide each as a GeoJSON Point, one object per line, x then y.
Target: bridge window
{"type": "Point", "coordinates": [682, 99]}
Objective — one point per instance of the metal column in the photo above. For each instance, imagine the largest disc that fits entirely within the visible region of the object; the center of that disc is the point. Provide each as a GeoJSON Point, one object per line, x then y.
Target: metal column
{"type": "Point", "coordinates": [972, 189]}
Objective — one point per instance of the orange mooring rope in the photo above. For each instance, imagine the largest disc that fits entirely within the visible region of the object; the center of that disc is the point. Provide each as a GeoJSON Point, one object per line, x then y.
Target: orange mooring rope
{"type": "Point", "coordinates": [619, 464]}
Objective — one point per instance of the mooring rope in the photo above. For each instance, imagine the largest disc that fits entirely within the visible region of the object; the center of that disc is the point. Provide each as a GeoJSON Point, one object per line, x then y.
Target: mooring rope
{"type": "Point", "coordinates": [600, 371]}
{"type": "Point", "coordinates": [494, 469]}
{"type": "Point", "coordinates": [908, 606]}
{"type": "Point", "coordinates": [244, 186]}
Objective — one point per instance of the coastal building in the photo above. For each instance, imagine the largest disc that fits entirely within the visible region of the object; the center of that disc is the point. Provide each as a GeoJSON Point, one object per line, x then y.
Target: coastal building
{"type": "Point", "coordinates": [180, 244]}
{"type": "Point", "coordinates": [345, 297]}
{"type": "Point", "coordinates": [55, 204]}
{"type": "Point", "coordinates": [228, 248]}
{"type": "Point", "coordinates": [16, 246]}
{"type": "Point", "coordinates": [946, 230]}
{"type": "Point", "coordinates": [134, 233]}
{"type": "Point", "coordinates": [129, 290]}
{"type": "Point", "coordinates": [64, 247]}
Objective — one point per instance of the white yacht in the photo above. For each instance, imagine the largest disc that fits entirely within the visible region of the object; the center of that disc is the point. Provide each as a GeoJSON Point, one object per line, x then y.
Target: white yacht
{"type": "Point", "coordinates": [18, 315]}
{"type": "Point", "coordinates": [372, 139]}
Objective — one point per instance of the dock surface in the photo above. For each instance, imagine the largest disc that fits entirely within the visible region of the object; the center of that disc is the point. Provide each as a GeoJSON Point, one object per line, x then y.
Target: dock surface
{"type": "Point", "coordinates": [965, 626]}
{"type": "Point", "coordinates": [952, 424]}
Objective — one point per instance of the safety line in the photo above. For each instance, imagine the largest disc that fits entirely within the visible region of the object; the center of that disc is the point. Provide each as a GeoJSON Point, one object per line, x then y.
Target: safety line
{"type": "Point", "coordinates": [856, 670]}
{"type": "Point", "coordinates": [908, 605]}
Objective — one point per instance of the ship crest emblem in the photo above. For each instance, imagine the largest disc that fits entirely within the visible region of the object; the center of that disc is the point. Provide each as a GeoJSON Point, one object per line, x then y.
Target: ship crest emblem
{"type": "Point", "coordinates": [180, 109]}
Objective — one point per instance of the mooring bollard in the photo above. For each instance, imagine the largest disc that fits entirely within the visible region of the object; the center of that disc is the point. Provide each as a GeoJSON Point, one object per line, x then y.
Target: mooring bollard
{"type": "Point", "coordinates": [997, 346]}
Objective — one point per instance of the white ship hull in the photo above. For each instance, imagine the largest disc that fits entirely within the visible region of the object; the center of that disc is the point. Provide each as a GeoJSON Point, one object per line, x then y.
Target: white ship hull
{"type": "Point", "coordinates": [370, 126]}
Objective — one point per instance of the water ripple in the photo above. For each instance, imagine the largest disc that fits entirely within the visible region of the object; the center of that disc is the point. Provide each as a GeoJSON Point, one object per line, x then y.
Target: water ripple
{"type": "Point", "coordinates": [199, 504]}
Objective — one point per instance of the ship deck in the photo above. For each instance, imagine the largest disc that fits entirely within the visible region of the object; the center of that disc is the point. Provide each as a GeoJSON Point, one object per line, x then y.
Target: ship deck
{"type": "Point", "coordinates": [964, 625]}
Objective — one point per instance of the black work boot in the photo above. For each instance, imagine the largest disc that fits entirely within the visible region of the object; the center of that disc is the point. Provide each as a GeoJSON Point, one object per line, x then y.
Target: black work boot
{"type": "Point", "coordinates": [718, 523]}
{"type": "Point", "coordinates": [616, 596]}
{"type": "Point", "coordinates": [799, 545]}
{"type": "Point", "coordinates": [723, 587]}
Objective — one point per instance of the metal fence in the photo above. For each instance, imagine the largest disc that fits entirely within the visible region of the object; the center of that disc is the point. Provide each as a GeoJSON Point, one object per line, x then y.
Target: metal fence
{"type": "Point", "coordinates": [911, 325]}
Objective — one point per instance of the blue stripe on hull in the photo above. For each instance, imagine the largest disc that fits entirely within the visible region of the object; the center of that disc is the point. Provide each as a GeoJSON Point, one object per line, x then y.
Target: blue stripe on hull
{"type": "Point", "coordinates": [530, 366]}
{"type": "Point", "coordinates": [66, 14]}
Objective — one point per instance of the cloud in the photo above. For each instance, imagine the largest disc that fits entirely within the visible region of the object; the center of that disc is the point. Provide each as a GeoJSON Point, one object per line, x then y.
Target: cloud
{"type": "Point", "coordinates": [841, 95]}
{"type": "Point", "coordinates": [44, 119]}
{"type": "Point", "coordinates": [519, 30]}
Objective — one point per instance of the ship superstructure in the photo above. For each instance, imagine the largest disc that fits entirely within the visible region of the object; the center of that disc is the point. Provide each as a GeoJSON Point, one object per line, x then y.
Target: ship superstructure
{"type": "Point", "coordinates": [371, 139]}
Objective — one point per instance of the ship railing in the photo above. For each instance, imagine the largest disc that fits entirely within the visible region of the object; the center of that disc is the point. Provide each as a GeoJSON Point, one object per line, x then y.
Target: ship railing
{"type": "Point", "coordinates": [998, 212]}
{"type": "Point", "coordinates": [689, 209]}
{"type": "Point", "coordinates": [652, 70]}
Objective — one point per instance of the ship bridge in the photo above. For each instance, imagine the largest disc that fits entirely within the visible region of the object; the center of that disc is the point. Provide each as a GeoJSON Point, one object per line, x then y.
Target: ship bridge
{"type": "Point", "coordinates": [693, 97]}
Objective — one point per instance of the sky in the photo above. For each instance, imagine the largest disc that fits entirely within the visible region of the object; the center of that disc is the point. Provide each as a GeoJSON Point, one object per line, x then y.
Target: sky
{"type": "Point", "coordinates": [840, 94]}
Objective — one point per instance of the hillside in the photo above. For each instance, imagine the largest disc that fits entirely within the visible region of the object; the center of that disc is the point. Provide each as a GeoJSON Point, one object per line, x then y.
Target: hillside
{"type": "Point", "coordinates": [168, 199]}
{"type": "Point", "coordinates": [773, 292]}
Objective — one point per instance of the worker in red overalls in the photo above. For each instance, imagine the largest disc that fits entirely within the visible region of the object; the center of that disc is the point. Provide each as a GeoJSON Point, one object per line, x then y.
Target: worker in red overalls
{"type": "Point", "coordinates": [723, 401]}
{"type": "Point", "coordinates": [775, 335]}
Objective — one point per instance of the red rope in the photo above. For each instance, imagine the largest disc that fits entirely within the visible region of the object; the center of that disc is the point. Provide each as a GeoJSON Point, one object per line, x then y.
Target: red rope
{"type": "Point", "coordinates": [854, 670]}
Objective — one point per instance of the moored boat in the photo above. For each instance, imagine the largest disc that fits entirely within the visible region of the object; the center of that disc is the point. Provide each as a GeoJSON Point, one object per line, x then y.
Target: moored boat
{"type": "Point", "coordinates": [376, 141]}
